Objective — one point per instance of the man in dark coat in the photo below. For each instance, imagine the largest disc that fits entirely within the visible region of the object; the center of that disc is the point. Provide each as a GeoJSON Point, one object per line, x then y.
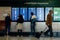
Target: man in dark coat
{"type": "Point", "coordinates": [7, 23]}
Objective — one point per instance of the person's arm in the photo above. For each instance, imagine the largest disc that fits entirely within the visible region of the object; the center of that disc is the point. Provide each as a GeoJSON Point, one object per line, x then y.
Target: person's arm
{"type": "Point", "coordinates": [47, 20]}
{"type": "Point", "coordinates": [10, 19]}
{"type": "Point", "coordinates": [23, 19]}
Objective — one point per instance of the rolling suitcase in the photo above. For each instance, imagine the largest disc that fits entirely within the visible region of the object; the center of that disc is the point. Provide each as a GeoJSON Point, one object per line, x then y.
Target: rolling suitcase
{"type": "Point", "coordinates": [37, 35]}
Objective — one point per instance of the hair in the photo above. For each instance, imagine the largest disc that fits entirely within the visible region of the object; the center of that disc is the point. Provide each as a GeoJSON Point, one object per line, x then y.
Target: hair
{"type": "Point", "coordinates": [8, 14]}
{"type": "Point", "coordinates": [32, 13]}
{"type": "Point", "coordinates": [50, 10]}
{"type": "Point", "coordinates": [20, 16]}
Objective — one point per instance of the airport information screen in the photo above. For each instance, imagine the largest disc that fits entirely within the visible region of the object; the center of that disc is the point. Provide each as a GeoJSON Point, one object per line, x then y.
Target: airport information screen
{"type": "Point", "coordinates": [56, 14]}
{"type": "Point", "coordinates": [29, 12]}
{"type": "Point", "coordinates": [23, 11]}
{"type": "Point", "coordinates": [15, 13]}
{"type": "Point", "coordinates": [40, 14]}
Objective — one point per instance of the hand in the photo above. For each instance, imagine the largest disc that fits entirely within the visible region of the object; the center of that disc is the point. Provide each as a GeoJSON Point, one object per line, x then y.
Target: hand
{"type": "Point", "coordinates": [47, 24]}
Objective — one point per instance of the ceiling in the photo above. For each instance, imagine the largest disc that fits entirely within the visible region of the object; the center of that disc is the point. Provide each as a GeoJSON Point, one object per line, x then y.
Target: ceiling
{"type": "Point", "coordinates": [21, 3]}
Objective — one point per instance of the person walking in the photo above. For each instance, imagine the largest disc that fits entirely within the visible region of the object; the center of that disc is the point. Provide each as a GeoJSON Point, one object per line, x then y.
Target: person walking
{"type": "Point", "coordinates": [49, 23]}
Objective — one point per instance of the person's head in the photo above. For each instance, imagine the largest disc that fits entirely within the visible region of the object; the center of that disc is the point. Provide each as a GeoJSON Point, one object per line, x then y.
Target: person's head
{"type": "Point", "coordinates": [51, 11]}
{"type": "Point", "coordinates": [8, 14]}
{"type": "Point", "coordinates": [32, 13]}
{"type": "Point", "coordinates": [20, 16]}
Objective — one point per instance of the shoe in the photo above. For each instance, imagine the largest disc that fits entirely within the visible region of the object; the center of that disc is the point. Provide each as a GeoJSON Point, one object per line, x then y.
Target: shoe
{"type": "Point", "coordinates": [51, 35]}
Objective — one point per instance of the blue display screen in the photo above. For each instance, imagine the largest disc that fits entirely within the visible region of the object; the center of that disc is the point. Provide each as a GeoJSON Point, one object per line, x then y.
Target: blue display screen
{"type": "Point", "coordinates": [26, 12]}
{"type": "Point", "coordinates": [15, 13]}
{"type": "Point", "coordinates": [23, 11]}
{"type": "Point", "coordinates": [40, 14]}
{"type": "Point", "coordinates": [31, 10]}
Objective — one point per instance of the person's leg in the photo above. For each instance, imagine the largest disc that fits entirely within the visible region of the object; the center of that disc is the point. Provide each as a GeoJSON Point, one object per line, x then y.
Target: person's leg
{"type": "Point", "coordinates": [8, 28]}
{"type": "Point", "coordinates": [5, 28]}
{"type": "Point", "coordinates": [19, 32]}
{"type": "Point", "coordinates": [32, 28]}
{"type": "Point", "coordinates": [51, 33]}
{"type": "Point", "coordinates": [46, 33]}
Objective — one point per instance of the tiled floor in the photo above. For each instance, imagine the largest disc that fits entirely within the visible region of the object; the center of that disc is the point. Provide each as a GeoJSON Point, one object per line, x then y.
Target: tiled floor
{"type": "Point", "coordinates": [28, 38]}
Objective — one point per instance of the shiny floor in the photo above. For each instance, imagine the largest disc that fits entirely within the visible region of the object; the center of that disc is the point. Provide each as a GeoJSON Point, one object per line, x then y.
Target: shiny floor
{"type": "Point", "coordinates": [27, 38]}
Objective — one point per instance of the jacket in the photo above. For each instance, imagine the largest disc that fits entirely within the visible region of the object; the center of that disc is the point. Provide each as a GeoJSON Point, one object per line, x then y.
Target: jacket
{"type": "Point", "coordinates": [49, 20]}
{"type": "Point", "coordinates": [7, 20]}
{"type": "Point", "coordinates": [33, 19]}
{"type": "Point", "coordinates": [20, 20]}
